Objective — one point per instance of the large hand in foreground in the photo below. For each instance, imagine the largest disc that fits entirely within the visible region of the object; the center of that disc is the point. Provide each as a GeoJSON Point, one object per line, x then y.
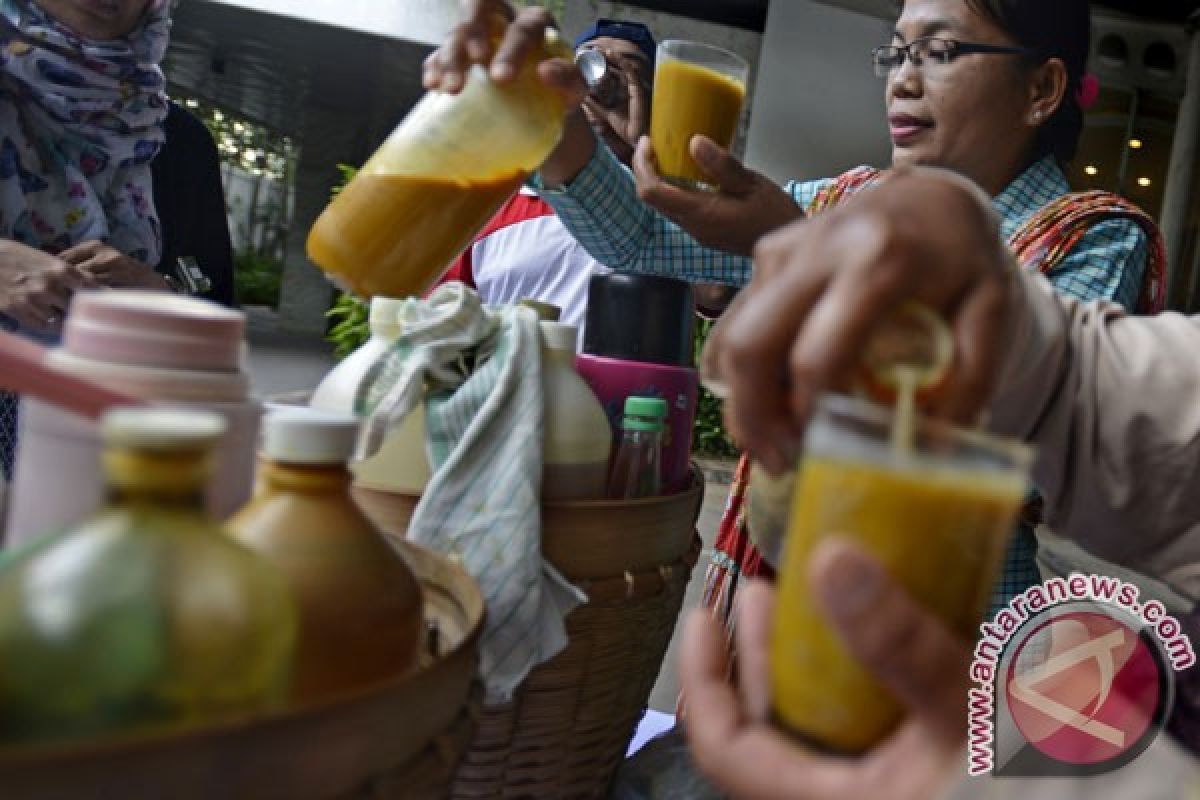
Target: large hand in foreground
{"type": "Point", "coordinates": [910, 652]}
{"type": "Point", "coordinates": [821, 287]}
{"type": "Point", "coordinates": [746, 207]}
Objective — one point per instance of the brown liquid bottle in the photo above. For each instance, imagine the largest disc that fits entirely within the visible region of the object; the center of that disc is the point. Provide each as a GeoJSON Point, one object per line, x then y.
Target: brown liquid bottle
{"type": "Point", "coordinates": [437, 180]}
{"type": "Point", "coordinates": [360, 606]}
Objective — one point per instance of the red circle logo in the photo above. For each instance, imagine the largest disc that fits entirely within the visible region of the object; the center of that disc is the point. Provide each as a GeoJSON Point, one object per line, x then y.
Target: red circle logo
{"type": "Point", "coordinates": [1085, 688]}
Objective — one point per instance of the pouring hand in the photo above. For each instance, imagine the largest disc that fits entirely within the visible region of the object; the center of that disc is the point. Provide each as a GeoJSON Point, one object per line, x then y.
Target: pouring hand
{"type": "Point", "coordinates": [820, 288]}
{"type": "Point", "coordinates": [473, 41]}
{"type": "Point", "coordinates": [746, 207]}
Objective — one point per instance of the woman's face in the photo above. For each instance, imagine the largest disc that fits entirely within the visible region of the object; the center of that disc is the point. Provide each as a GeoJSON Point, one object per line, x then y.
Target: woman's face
{"type": "Point", "coordinates": [97, 19]}
{"type": "Point", "coordinates": [973, 114]}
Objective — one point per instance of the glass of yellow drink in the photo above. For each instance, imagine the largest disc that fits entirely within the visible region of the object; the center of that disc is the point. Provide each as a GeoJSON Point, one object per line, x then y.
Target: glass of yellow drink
{"type": "Point", "coordinates": [698, 89]}
{"type": "Point", "coordinates": [936, 511]}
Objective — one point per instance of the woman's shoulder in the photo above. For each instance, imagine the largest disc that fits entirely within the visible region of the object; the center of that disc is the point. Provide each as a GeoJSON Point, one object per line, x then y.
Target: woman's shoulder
{"type": "Point", "coordinates": [817, 195]}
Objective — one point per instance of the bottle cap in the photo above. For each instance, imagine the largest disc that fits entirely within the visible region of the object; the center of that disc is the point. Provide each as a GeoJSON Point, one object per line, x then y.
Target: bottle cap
{"type": "Point", "coordinates": [546, 312]}
{"type": "Point", "coordinates": [559, 336]}
{"type": "Point", "coordinates": [162, 430]}
{"type": "Point", "coordinates": [385, 316]}
{"type": "Point", "coordinates": [644, 413]}
{"type": "Point", "coordinates": [155, 329]}
{"type": "Point", "coordinates": [308, 436]}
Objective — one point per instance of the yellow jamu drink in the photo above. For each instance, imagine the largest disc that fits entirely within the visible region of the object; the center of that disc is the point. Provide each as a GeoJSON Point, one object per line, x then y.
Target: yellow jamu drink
{"type": "Point", "coordinates": [698, 89]}
{"type": "Point", "coordinates": [935, 505]}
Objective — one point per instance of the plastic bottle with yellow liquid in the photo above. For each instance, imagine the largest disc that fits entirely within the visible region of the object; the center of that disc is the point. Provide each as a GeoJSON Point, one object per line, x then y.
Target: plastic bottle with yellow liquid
{"type": "Point", "coordinates": [441, 175]}
{"type": "Point", "coordinates": [146, 614]}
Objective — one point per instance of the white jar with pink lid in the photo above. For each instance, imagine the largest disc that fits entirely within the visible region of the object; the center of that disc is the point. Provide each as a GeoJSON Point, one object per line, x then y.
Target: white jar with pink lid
{"type": "Point", "coordinates": [162, 348]}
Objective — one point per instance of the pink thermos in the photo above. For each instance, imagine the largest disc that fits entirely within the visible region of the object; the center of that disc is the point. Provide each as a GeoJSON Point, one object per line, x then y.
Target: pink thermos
{"type": "Point", "coordinates": [638, 341]}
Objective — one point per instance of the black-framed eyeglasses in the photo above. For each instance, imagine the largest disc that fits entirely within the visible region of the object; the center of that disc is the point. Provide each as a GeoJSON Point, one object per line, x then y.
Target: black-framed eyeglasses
{"type": "Point", "coordinates": [934, 50]}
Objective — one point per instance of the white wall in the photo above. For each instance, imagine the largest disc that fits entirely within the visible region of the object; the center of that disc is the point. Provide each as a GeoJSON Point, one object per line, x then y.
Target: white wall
{"type": "Point", "coordinates": [818, 107]}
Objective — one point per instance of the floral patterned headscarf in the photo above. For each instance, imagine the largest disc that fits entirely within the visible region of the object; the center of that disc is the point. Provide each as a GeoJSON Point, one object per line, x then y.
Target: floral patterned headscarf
{"type": "Point", "coordinates": [80, 122]}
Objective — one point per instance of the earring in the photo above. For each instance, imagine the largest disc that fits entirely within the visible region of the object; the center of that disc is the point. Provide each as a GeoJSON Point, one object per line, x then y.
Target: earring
{"type": "Point", "coordinates": [1037, 118]}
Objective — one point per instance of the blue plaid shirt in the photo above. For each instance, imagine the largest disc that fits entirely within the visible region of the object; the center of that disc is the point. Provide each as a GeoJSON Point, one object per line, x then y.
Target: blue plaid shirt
{"type": "Point", "coordinates": [602, 210]}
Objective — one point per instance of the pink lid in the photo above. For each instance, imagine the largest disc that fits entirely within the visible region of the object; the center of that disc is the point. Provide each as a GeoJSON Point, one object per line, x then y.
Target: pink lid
{"type": "Point", "coordinates": [154, 329]}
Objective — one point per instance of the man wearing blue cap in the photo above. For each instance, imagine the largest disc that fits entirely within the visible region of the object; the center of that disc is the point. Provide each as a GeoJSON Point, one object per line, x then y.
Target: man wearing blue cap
{"type": "Point", "coordinates": [525, 252]}
{"type": "Point", "coordinates": [621, 115]}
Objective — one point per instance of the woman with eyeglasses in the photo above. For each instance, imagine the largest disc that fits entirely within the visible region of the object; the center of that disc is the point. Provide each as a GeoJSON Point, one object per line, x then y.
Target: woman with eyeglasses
{"type": "Point", "coordinates": [994, 90]}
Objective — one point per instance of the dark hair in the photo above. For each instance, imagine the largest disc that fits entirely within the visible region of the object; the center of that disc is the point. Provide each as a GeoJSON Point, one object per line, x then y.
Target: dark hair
{"type": "Point", "coordinates": [1051, 29]}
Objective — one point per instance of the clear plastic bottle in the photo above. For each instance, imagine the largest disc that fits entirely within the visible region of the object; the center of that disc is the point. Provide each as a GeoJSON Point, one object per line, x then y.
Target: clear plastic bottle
{"type": "Point", "coordinates": [440, 176]}
{"type": "Point", "coordinates": [147, 613]}
{"type": "Point", "coordinates": [637, 468]}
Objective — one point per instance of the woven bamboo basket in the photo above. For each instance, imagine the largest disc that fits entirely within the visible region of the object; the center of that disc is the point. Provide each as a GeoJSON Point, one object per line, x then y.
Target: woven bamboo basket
{"type": "Point", "coordinates": [570, 722]}
{"type": "Point", "coordinates": [398, 739]}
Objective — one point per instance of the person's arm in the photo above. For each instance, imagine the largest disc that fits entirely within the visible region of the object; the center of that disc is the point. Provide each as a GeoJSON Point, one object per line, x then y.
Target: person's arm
{"type": "Point", "coordinates": [1111, 403]}
{"type": "Point", "coordinates": [602, 210]}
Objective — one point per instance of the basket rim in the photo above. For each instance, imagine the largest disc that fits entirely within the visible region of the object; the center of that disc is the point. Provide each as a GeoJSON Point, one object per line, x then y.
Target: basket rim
{"type": "Point", "coordinates": [695, 487]}
{"type": "Point", "coordinates": [470, 596]}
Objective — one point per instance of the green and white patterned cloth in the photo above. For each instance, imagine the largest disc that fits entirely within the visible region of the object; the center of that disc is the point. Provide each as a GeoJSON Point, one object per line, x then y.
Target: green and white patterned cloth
{"type": "Point", "coordinates": [481, 369]}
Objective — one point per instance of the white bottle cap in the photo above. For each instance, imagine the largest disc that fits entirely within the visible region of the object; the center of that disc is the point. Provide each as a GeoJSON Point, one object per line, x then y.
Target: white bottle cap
{"type": "Point", "coordinates": [162, 430]}
{"type": "Point", "coordinates": [385, 316]}
{"type": "Point", "coordinates": [308, 436]}
{"type": "Point", "coordinates": [559, 335]}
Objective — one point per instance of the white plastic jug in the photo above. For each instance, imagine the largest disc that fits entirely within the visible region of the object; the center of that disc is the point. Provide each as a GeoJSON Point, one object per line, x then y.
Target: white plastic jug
{"type": "Point", "coordinates": [400, 464]}
{"type": "Point", "coordinates": [578, 437]}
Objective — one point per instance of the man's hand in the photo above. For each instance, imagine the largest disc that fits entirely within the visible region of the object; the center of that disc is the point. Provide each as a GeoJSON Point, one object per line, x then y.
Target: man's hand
{"type": "Point", "coordinates": [474, 41]}
{"type": "Point", "coordinates": [110, 267]}
{"type": "Point", "coordinates": [820, 288]}
{"type": "Point", "coordinates": [745, 207]}
{"type": "Point", "coordinates": [36, 287]}
{"type": "Point", "coordinates": [908, 650]}
{"type": "Point", "coordinates": [621, 128]}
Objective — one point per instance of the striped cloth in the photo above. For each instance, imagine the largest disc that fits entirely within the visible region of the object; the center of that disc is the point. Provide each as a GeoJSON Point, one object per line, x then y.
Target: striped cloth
{"type": "Point", "coordinates": [481, 370]}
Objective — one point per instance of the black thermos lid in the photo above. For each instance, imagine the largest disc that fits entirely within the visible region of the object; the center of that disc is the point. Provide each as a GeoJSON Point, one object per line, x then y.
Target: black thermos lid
{"type": "Point", "coordinates": [643, 318]}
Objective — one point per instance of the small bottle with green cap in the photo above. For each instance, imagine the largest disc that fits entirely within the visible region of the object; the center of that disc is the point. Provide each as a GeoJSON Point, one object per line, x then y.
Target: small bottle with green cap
{"type": "Point", "coordinates": [637, 470]}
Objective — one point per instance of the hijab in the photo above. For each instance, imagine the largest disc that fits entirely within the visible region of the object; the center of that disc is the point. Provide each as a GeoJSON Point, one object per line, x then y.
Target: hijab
{"type": "Point", "coordinates": [80, 122]}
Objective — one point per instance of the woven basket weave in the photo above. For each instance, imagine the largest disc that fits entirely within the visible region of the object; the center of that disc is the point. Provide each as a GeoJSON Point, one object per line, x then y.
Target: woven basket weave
{"type": "Point", "coordinates": [570, 722]}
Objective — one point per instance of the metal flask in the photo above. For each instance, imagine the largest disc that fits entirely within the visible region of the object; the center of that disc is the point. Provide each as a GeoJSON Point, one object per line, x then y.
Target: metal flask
{"type": "Point", "coordinates": [603, 81]}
